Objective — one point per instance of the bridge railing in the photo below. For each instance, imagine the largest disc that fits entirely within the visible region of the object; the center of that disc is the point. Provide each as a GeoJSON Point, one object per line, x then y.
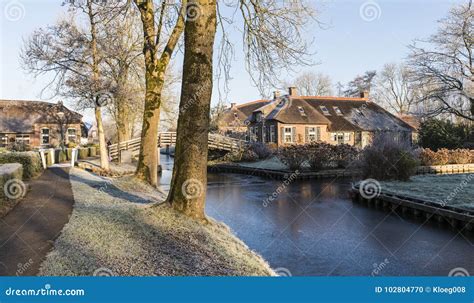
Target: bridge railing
{"type": "Point", "coordinates": [216, 141]}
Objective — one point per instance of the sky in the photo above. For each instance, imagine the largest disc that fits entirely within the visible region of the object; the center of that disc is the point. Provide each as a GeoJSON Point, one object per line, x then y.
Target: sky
{"type": "Point", "coordinates": [357, 36]}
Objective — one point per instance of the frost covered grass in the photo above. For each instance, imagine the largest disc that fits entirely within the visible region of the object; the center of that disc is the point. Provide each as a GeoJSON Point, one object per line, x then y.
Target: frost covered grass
{"type": "Point", "coordinates": [114, 229]}
{"type": "Point", "coordinates": [455, 190]}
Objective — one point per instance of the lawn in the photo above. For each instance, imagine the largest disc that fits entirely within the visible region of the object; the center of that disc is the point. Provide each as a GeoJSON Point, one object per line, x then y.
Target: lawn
{"type": "Point", "coordinates": [117, 229]}
{"type": "Point", "coordinates": [455, 190]}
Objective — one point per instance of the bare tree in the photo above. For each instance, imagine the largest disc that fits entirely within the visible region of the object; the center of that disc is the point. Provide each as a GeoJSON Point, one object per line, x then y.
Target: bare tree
{"type": "Point", "coordinates": [272, 42]}
{"type": "Point", "coordinates": [312, 84]}
{"type": "Point", "coordinates": [443, 64]}
{"type": "Point", "coordinates": [394, 89]}
{"type": "Point", "coordinates": [157, 58]}
{"type": "Point", "coordinates": [122, 44]}
{"type": "Point", "coordinates": [72, 54]}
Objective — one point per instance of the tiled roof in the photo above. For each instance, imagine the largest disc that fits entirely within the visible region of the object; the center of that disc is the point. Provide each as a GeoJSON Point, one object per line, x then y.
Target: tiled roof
{"type": "Point", "coordinates": [240, 113]}
{"type": "Point", "coordinates": [19, 116]}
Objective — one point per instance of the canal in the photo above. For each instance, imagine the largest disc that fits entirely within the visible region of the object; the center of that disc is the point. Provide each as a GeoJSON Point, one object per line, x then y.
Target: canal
{"type": "Point", "coordinates": [312, 228]}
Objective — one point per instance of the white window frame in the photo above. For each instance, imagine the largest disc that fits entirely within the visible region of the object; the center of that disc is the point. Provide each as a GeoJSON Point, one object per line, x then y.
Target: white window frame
{"type": "Point", "coordinates": [42, 136]}
{"type": "Point", "coordinates": [338, 111]}
{"type": "Point", "coordinates": [325, 110]}
{"type": "Point", "coordinates": [22, 138]}
{"type": "Point", "coordinates": [287, 135]}
{"type": "Point", "coordinates": [69, 136]}
{"type": "Point", "coordinates": [313, 131]}
{"type": "Point", "coordinates": [347, 137]}
{"type": "Point", "coordinates": [272, 133]}
{"type": "Point", "coordinates": [4, 139]}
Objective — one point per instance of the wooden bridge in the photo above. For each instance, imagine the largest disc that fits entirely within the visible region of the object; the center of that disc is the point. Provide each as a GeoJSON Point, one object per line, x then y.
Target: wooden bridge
{"type": "Point", "coordinates": [167, 139]}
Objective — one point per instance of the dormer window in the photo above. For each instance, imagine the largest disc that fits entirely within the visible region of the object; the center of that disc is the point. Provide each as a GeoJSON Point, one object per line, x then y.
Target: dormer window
{"type": "Point", "coordinates": [337, 110]}
{"type": "Point", "coordinates": [301, 110]}
{"type": "Point", "coordinates": [236, 116]}
{"type": "Point", "coordinates": [324, 110]}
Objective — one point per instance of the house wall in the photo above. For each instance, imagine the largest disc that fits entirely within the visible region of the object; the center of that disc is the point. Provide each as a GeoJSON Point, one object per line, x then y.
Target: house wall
{"type": "Point", "coordinates": [55, 134]}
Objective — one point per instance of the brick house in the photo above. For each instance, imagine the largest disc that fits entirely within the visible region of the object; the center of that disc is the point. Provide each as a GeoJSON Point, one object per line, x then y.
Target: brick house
{"type": "Point", "coordinates": [38, 124]}
{"type": "Point", "coordinates": [234, 120]}
{"type": "Point", "coordinates": [293, 119]}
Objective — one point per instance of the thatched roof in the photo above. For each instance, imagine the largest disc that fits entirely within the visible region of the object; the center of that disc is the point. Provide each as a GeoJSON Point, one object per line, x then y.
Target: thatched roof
{"type": "Point", "coordinates": [19, 116]}
{"type": "Point", "coordinates": [340, 113]}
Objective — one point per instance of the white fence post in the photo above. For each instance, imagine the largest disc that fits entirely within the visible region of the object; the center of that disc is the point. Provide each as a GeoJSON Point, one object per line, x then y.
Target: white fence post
{"type": "Point", "coordinates": [43, 159]}
{"type": "Point", "coordinates": [73, 156]}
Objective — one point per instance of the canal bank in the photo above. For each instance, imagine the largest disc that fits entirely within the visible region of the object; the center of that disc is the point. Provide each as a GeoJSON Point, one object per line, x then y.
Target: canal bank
{"type": "Point", "coordinates": [311, 227]}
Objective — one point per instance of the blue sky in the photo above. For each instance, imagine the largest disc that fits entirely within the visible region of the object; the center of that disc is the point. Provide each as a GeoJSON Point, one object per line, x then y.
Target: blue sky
{"type": "Point", "coordinates": [352, 43]}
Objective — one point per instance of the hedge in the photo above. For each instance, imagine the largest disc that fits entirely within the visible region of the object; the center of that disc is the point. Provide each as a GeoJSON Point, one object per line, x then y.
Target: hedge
{"type": "Point", "coordinates": [31, 162]}
{"type": "Point", "coordinates": [8, 172]}
{"type": "Point", "coordinates": [83, 153]}
{"type": "Point", "coordinates": [445, 156]}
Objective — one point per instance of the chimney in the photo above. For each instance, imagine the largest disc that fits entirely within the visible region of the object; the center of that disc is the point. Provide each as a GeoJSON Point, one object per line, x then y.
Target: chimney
{"type": "Point", "coordinates": [60, 103]}
{"type": "Point", "coordinates": [364, 94]}
{"type": "Point", "coordinates": [292, 91]}
{"type": "Point", "coordinates": [276, 94]}
{"type": "Point", "coordinates": [233, 105]}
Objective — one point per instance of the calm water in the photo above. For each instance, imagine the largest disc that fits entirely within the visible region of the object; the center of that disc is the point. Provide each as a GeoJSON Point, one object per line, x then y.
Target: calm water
{"type": "Point", "coordinates": [312, 228]}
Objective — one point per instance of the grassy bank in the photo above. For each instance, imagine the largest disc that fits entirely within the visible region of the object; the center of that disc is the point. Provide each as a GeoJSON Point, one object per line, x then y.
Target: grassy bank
{"type": "Point", "coordinates": [114, 230]}
{"type": "Point", "coordinates": [454, 190]}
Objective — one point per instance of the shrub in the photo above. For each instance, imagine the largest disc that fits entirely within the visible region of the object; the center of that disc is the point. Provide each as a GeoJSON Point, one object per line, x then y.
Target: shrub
{"type": "Point", "coordinates": [445, 156]}
{"type": "Point", "coordinates": [31, 162]}
{"type": "Point", "coordinates": [293, 156]}
{"type": "Point", "coordinates": [460, 156]}
{"type": "Point", "coordinates": [260, 149]}
{"type": "Point", "coordinates": [249, 155]}
{"type": "Point", "coordinates": [344, 155]}
{"type": "Point", "coordinates": [320, 155]}
{"type": "Point", "coordinates": [19, 147]}
{"type": "Point", "coordinates": [387, 159]}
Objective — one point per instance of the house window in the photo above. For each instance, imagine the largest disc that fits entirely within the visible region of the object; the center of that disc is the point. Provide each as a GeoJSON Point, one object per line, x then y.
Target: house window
{"type": "Point", "coordinates": [272, 133]}
{"type": "Point", "coordinates": [3, 140]}
{"type": "Point", "coordinates": [347, 137]}
{"type": "Point", "coordinates": [288, 134]}
{"type": "Point", "coordinates": [338, 111]}
{"type": "Point", "coordinates": [301, 110]}
{"type": "Point", "coordinates": [313, 134]}
{"type": "Point", "coordinates": [264, 134]}
{"type": "Point", "coordinates": [45, 136]}
{"type": "Point", "coordinates": [71, 135]}
{"type": "Point", "coordinates": [324, 110]}
{"type": "Point", "coordinates": [341, 137]}
{"type": "Point", "coordinates": [24, 139]}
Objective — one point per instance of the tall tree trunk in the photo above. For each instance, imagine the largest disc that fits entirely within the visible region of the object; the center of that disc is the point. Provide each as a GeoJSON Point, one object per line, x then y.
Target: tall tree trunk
{"type": "Point", "coordinates": [148, 160]}
{"type": "Point", "coordinates": [104, 157]}
{"type": "Point", "coordinates": [188, 186]}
